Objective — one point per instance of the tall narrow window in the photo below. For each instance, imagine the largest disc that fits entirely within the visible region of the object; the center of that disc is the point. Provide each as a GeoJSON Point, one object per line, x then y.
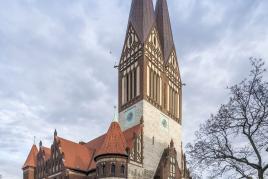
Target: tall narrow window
{"type": "Point", "coordinates": [122, 90]}
{"type": "Point", "coordinates": [98, 171]}
{"type": "Point", "coordinates": [176, 104]}
{"type": "Point", "coordinates": [151, 83]}
{"type": "Point", "coordinates": [165, 96]}
{"type": "Point", "coordinates": [127, 89]}
{"type": "Point", "coordinates": [113, 169]}
{"type": "Point", "coordinates": [135, 82]}
{"type": "Point", "coordinates": [122, 169]}
{"type": "Point", "coordinates": [130, 85]}
{"type": "Point", "coordinates": [138, 81]}
{"type": "Point", "coordinates": [158, 89]}
{"type": "Point", "coordinates": [103, 169]}
{"type": "Point", "coordinates": [155, 87]}
{"type": "Point", "coordinates": [170, 100]}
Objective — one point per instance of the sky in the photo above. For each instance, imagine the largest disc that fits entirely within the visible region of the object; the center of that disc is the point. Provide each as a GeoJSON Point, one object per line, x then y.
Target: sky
{"type": "Point", "coordinates": [56, 69]}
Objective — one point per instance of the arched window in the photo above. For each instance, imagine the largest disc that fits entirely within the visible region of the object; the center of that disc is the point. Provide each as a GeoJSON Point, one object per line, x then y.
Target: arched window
{"type": "Point", "coordinates": [103, 169]}
{"type": "Point", "coordinates": [113, 169]}
{"type": "Point", "coordinates": [98, 170]}
{"type": "Point", "coordinates": [122, 169]}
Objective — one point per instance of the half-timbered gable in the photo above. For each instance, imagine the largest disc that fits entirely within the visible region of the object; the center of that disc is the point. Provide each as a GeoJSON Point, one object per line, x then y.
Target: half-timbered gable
{"type": "Point", "coordinates": [132, 48]}
{"type": "Point", "coordinates": [129, 67]}
{"type": "Point", "coordinates": [174, 87]}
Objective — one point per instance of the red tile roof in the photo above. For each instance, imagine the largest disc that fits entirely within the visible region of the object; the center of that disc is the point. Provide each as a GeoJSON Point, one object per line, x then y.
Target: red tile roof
{"type": "Point", "coordinates": [81, 156]}
{"type": "Point", "coordinates": [76, 156]}
{"type": "Point", "coordinates": [129, 134]}
{"type": "Point", "coordinates": [31, 159]}
{"type": "Point", "coordinates": [114, 142]}
{"type": "Point", "coordinates": [96, 143]}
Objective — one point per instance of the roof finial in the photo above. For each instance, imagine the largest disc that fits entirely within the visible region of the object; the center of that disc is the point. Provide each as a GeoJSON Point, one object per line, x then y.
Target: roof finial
{"type": "Point", "coordinates": [55, 133]}
{"type": "Point", "coordinates": [34, 140]}
{"type": "Point", "coordinates": [171, 143]}
{"type": "Point", "coordinates": [40, 144]}
{"type": "Point", "coordinates": [115, 115]}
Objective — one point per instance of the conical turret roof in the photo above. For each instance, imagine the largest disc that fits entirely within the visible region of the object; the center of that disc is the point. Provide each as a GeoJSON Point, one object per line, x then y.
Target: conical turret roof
{"type": "Point", "coordinates": [114, 142]}
{"type": "Point", "coordinates": [164, 27]}
{"type": "Point", "coordinates": [31, 159]}
{"type": "Point", "coordinates": [142, 17]}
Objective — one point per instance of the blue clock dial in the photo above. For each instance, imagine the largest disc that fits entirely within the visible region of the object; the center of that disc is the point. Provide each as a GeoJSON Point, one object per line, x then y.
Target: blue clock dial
{"type": "Point", "coordinates": [164, 123]}
{"type": "Point", "coordinates": [130, 116]}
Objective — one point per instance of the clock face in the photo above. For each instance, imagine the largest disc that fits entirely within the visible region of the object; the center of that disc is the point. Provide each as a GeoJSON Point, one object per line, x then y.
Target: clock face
{"type": "Point", "coordinates": [130, 117]}
{"type": "Point", "coordinates": [164, 124]}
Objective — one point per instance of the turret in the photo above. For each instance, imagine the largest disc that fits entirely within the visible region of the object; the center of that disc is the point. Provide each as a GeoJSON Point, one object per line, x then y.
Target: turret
{"type": "Point", "coordinates": [111, 158]}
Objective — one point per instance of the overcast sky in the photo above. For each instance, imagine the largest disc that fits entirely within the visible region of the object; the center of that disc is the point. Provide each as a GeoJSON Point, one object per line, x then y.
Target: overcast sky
{"type": "Point", "coordinates": [56, 70]}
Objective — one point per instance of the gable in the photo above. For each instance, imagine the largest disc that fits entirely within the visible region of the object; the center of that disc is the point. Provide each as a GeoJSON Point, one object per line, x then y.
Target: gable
{"type": "Point", "coordinates": [153, 48]}
{"type": "Point", "coordinates": [131, 49]}
{"type": "Point", "coordinates": [172, 67]}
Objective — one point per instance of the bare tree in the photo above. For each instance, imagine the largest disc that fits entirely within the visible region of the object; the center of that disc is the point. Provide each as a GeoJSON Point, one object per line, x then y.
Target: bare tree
{"type": "Point", "coordinates": [234, 142]}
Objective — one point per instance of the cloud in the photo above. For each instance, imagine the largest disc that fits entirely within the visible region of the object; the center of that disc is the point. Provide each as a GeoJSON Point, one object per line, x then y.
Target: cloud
{"type": "Point", "coordinates": [56, 66]}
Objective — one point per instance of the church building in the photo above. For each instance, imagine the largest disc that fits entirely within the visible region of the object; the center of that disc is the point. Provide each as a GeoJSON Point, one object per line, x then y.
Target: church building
{"type": "Point", "coordinates": [144, 141]}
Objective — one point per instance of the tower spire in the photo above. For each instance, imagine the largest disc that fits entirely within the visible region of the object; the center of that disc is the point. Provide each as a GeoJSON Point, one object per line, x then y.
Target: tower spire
{"type": "Point", "coordinates": [164, 28]}
{"type": "Point", "coordinates": [142, 17]}
{"type": "Point", "coordinates": [115, 119]}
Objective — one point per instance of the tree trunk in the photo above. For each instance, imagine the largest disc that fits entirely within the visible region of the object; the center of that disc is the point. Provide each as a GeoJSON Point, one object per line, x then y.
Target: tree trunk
{"type": "Point", "coordinates": [260, 174]}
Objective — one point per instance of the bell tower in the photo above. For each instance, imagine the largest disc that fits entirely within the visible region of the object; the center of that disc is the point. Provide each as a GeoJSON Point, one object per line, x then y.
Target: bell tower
{"type": "Point", "coordinates": [149, 81]}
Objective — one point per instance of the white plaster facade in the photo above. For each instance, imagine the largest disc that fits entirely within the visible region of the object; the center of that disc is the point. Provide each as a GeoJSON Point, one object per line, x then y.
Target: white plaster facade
{"type": "Point", "coordinates": [156, 138]}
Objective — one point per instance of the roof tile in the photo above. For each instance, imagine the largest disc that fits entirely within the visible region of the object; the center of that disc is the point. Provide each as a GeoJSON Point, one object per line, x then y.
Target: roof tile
{"type": "Point", "coordinates": [76, 156]}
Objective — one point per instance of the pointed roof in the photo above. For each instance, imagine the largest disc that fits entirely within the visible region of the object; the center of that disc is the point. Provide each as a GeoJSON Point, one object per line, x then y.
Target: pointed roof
{"type": "Point", "coordinates": [142, 17]}
{"type": "Point", "coordinates": [76, 156]}
{"type": "Point", "coordinates": [164, 27]}
{"type": "Point", "coordinates": [114, 142]}
{"type": "Point", "coordinates": [31, 159]}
